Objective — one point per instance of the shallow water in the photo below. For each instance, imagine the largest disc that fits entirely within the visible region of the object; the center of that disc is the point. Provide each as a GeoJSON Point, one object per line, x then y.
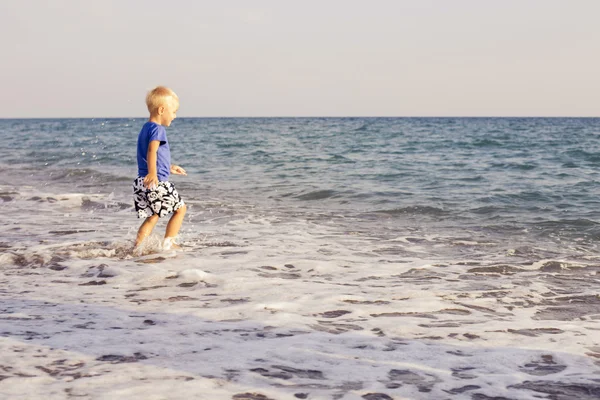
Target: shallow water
{"type": "Point", "coordinates": [324, 257]}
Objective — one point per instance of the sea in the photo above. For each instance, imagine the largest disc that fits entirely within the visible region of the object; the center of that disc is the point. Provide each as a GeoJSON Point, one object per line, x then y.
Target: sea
{"type": "Point", "coordinates": [322, 258]}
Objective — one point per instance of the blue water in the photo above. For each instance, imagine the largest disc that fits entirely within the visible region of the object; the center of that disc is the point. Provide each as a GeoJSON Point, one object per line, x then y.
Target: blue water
{"type": "Point", "coordinates": [410, 256]}
{"type": "Point", "coordinates": [512, 180]}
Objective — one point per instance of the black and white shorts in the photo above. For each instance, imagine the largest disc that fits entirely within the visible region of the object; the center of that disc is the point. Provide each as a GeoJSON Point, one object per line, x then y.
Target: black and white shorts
{"type": "Point", "coordinates": [162, 200]}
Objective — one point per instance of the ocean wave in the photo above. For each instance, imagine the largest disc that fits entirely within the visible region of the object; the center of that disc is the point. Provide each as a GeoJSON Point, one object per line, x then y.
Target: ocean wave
{"type": "Point", "coordinates": [416, 210]}
{"type": "Point", "coordinates": [591, 157]}
{"type": "Point", "coordinates": [515, 166]}
{"type": "Point", "coordinates": [318, 195]}
{"type": "Point", "coordinates": [567, 223]}
{"type": "Point", "coordinates": [487, 143]}
{"type": "Point", "coordinates": [364, 127]}
{"type": "Point", "coordinates": [487, 210]}
{"type": "Point", "coordinates": [82, 174]}
{"type": "Point", "coordinates": [339, 159]}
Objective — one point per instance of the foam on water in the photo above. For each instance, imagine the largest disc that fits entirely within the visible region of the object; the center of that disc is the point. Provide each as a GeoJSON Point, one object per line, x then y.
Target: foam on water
{"type": "Point", "coordinates": [261, 305]}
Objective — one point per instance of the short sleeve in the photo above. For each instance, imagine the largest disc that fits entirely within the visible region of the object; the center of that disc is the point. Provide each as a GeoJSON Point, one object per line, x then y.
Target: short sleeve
{"type": "Point", "coordinates": [157, 132]}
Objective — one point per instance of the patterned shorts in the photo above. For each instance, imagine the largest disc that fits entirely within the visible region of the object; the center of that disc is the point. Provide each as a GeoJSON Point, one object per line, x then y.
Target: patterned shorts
{"type": "Point", "coordinates": [162, 200]}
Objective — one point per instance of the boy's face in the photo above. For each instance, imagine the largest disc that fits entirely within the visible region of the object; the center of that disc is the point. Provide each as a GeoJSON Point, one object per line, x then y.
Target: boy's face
{"type": "Point", "coordinates": [168, 112]}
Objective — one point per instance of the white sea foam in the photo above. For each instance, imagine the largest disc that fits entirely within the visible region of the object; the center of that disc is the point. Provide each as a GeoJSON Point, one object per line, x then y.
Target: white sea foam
{"type": "Point", "coordinates": [260, 304]}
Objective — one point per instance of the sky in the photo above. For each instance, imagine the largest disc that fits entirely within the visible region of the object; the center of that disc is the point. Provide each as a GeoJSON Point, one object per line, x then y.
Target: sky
{"type": "Point", "coordinates": [73, 58]}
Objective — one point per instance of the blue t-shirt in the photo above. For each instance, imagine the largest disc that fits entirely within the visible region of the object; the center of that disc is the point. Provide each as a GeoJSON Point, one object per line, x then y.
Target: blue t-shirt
{"type": "Point", "coordinates": [153, 131]}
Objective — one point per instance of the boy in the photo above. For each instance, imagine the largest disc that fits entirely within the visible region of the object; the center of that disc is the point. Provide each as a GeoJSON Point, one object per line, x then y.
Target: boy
{"type": "Point", "coordinates": [153, 195]}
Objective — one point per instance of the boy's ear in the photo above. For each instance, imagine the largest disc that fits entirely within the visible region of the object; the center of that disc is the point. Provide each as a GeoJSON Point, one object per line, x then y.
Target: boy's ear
{"type": "Point", "coordinates": [161, 110]}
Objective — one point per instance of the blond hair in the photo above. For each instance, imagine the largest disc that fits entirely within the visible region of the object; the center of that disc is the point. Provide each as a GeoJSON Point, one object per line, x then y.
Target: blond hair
{"type": "Point", "coordinates": [159, 96]}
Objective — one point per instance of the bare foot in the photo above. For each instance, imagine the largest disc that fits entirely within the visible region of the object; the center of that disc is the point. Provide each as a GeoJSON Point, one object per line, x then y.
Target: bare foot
{"type": "Point", "coordinates": [169, 244]}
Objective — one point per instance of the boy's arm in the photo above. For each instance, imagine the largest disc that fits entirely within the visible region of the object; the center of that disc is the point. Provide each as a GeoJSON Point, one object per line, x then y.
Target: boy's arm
{"type": "Point", "coordinates": [151, 180]}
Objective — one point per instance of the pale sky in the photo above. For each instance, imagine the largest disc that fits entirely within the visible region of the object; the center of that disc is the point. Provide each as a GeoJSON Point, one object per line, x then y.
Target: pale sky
{"type": "Point", "coordinates": [79, 58]}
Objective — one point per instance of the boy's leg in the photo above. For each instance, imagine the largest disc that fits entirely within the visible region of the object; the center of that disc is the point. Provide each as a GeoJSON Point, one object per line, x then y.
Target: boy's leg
{"type": "Point", "coordinates": [146, 229]}
{"type": "Point", "coordinates": [175, 224]}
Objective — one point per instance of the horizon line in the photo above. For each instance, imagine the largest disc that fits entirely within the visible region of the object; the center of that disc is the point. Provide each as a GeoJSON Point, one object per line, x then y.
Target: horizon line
{"type": "Point", "coordinates": [313, 116]}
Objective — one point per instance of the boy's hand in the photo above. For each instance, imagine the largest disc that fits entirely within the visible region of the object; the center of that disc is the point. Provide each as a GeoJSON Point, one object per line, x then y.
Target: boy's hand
{"type": "Point", "coordinates": [177, 170]}
{"type": "Point", "coordinates": [151, 181]}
